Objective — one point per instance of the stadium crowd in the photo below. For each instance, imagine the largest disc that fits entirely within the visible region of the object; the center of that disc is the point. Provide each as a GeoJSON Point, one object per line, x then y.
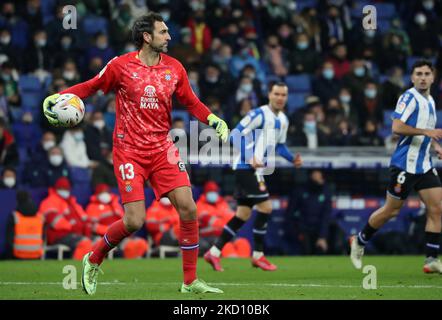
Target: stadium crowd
{"type": "Point", "coordinates": [343, 81]}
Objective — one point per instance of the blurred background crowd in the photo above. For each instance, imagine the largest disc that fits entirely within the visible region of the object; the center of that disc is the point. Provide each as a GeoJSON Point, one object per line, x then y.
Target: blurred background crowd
{"type": "Point", "coordinates": [343, 81]}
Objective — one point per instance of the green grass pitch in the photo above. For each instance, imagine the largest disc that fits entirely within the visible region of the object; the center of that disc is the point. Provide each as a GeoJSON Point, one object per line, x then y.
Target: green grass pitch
{"type": "Point", "coordinates": [398, 277]}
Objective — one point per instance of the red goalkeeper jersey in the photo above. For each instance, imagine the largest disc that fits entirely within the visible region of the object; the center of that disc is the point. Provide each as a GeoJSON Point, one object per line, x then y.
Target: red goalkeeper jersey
{"type": "Point", "coordinates": [143, 100]}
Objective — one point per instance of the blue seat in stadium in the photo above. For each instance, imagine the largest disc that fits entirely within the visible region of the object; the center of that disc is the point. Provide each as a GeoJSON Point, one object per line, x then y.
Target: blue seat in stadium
{"type": "Point", "coordinates": [298, 83]}
{"type": "Point", "coordinates": [387, 118]}
{"type": "Point", "coordinates": [385, 11]}
{"type": "Point", "coordinates": [80, 175]}
{"type": "Point", "coordinates": [302, 4]}
{"type": "Point", "coordinates": [356, 10]}
{"type": "Point", "coordinates": [439, 119]}
{"type": "Point", "coordinates": [31, 100]}
{"type": "Point", "coordinates": [383, 25]}
{"type": "Point", "coordinates": [82, 193]}
{"type": "Point", "coordinates": [411, 60]}
{"type": "Point", "coordinates": [94, 24]}
{"type": "Point", "coordinates": [29, 83]}
{"type": "Point", "coordinates": [295, 101]}
{"type": "Point", "coordinates": [183, 115]}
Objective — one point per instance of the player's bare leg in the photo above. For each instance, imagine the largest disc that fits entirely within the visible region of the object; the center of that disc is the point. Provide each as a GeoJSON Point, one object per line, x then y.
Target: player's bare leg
{"type": "Point", "coordinates": [264, 209]}
{"type": "Point", "coordinates": [432, 198]}
{"type": "Point", "coordinates": [182, 200]}
{"type": "Point", "coordinates": [213, 256]}
{"type": "Point", "coordinates": [133, 219]}
{"type": "Point", "coordinates": [378, 218]}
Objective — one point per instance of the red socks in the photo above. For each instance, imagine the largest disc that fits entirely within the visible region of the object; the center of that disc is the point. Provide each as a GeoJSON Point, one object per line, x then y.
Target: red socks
{"type": "Point", "coordinates": [114, 235]}
{"type": "Point", "coordinates": [189, 248]}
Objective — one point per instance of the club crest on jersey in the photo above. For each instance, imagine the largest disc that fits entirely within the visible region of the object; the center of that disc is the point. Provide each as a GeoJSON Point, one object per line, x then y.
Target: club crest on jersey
{"type": "Point", "coordinates": [128, 187]}
{"type": "Point", "coordinates": [397, 188]}
{"type": "Point", "coordinates": [168, 75]}
{"type": "Point", "coordinates": [149, 99]}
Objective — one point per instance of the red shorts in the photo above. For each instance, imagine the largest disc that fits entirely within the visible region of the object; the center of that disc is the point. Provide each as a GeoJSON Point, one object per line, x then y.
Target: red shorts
{"type": "Point", "coordinates": [164, 170]}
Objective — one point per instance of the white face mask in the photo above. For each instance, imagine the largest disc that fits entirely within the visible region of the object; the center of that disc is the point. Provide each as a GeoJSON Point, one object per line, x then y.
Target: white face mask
{"type": "Point", "coordinates": [78, 135]}
{"type": "Point", "coordinates": [212, 196]}
{"type": "Point", "coordinates": [165, 201]}
{"type": "Point", "coordinates": [99, 124]}
{"type": "Point", "coordinates": [69, 75]}
{"type": "Point", "coordinates": [104, 197]}
{"type": "Point", "coordinates": [48, 144]}
{"type": "Point", "coordinates": [63, 193]}
{"type": "Point", "coordinates": [5, 40]}
{"type": "Point", "coordinates": [9, 182]}
{"type": "Point", "coordinates": [55, 160]}
{"type": "Point", "coordinates": [40, 43]}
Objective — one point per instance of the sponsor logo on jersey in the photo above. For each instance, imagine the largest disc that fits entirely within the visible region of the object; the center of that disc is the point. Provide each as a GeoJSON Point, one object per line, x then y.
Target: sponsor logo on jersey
{"type": "Point", "coordinates": [401, 107]}
{"type": "Point", "coordinates": [149, 99]}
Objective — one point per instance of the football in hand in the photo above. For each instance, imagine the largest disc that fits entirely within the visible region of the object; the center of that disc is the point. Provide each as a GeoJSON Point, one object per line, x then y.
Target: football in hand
{"type": "Point", "coordinates": [69, 109]}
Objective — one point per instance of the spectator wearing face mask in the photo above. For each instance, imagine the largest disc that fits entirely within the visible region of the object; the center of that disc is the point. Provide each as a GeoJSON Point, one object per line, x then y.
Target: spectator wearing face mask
{"type": "Point", "coordinates": [303, 59]}
{"type": "Point", "coordinates": [40, 152]}
{"type": "Point", "coordinates": [8, 52]}
{"type": "Point", "coordinates": [74, 148]}
{"type": "Point", "coordinates": [424, 41]}
{"type": "Point", "coordinates": [26, 132]}
{"type": "Point", "coordinates": [214, 83]}
{"type": "Point", "coordinates": [104, 209]}
{"type": "Point", "coordinates": [100, 49]}
{"type": "Point", "coordinates": [95, 134]}
{"type": "Point", "coordinates": [325, 85]}
{"type": "Point", "coordinates": [213, 214]}
{"type": "Point", "coordinates": [70, 73]}
{"type": "Point", "coordinates": [245, 91]}
{"type": "Point", "coordinates": [66, 50]}
{"type": "Point", "coordinates": [201, 34]}
{"type": "Point", "coordinates": [162, 223]}
{"type": "Point", "coordinates": [9, 76]}
{"type": "Point", "coordinates": [9, 178]}
{"type": "Point", "coordinates": [357, 78]}
{"type": "Point", "coordinates": [65, 219]}
{"type": "Point", "coordinates": [44, 172]}
{"type": "Point", "coordinates": [370, 106]}
{"type": "Point", "coordinates": [38, 57]}
{"type": "Point", "coordinates": [348, 106]}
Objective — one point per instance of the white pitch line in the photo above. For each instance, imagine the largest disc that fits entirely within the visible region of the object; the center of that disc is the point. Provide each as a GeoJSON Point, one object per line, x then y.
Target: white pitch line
{"type": "Point", "coordinates": [294, 285]}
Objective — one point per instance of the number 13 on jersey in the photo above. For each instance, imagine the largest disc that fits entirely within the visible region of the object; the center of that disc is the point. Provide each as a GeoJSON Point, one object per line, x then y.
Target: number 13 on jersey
{"type": "Point", "coordinates": [127, 171]}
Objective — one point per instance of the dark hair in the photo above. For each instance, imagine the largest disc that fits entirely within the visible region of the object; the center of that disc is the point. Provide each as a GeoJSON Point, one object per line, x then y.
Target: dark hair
{"type": "Point", "coordinates": [421, 63]}
{"type": "Point", "coordinates": [144, 24]}
{"type": "Point", "coordinates": [276, 83]}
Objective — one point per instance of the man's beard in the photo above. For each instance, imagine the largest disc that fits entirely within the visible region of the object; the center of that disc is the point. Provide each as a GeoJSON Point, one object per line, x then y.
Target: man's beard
{"type": "Point", "coordinates": [159, 49]}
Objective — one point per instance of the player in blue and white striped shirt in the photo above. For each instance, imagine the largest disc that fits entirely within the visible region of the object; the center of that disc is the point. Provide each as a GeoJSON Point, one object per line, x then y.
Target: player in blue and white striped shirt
{"type": "Point", "coordinates": [261, 132]}
{"type": "Point", "coordinates": [414, 120]}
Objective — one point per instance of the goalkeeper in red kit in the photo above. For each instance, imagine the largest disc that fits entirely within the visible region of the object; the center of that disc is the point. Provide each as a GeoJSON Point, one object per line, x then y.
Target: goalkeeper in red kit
{"type": "Point", "coordinates": [144, 82]}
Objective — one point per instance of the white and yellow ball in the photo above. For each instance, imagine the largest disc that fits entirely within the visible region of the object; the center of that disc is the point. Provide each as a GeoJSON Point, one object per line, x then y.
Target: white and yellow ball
{"type": "Point", "coordinates": [69, 109]}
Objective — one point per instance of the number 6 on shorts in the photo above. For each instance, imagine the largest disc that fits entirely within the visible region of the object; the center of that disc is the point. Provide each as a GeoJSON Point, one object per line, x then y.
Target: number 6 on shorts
{"type": "Point", "coordinates": [401, 177]}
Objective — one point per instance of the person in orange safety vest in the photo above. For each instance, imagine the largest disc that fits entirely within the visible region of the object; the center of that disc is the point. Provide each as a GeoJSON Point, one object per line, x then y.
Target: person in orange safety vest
{"type": "Point", "coordinates": [24, 231]}
{"type": "Point", "coordinates": [66, 221]}
{"type": "Point", "coordinates": [213, 214]}
{"type": "Point", "coordinates": [163, 223]}
{"type": "Point", "coordinates": [104, 209]}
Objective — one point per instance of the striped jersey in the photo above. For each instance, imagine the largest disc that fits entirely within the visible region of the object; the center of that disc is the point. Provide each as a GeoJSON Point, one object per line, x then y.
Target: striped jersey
{"type": "Point", "coordinates": [412, 153]}
{"type": "Point", "coordinates": [260, 133]}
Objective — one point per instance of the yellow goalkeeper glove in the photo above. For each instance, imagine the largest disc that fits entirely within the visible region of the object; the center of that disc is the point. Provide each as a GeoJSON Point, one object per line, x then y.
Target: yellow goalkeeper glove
{"type": "Point", "coordinates": [47, 104]}
{"type": "Point", "coordinates": [220, 126]}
